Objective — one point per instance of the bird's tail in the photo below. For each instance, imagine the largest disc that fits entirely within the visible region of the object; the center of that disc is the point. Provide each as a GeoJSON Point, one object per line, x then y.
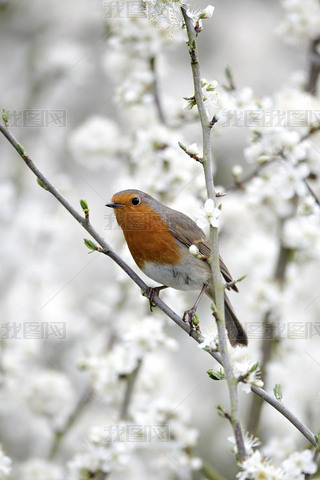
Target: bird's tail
{"type": "Point", "coordinates": [236, 333]}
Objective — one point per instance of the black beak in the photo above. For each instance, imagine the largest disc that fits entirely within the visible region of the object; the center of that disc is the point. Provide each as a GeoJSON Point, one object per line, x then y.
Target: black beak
{"type": "Point", "coordinates": [114, 205]}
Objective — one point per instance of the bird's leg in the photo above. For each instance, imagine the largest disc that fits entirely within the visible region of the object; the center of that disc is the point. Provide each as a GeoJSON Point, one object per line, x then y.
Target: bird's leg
{"type": "Point", "coordinates": [151, 293]}
{"type": "Point", "coordinates": [190, 313]}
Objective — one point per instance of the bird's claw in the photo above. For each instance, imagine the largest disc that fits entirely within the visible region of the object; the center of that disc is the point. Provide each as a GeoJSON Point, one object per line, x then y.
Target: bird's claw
{"type": "Point", "coordinates": [151, 293]}
{"type": "Point", "coordinates": [190, 317]}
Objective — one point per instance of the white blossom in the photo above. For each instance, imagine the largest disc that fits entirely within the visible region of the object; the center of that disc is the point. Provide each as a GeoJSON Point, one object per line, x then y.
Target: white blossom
{"type": "Point", "coordinates": [246, 370]}
{"type": "Point", "coordinates": [210, 340]}
{"type": "Point", "coordinates": [148, 335]}
{"type": "Point", "coordinates": [39, 469]}
{"type": "Point", "coordinates": [254, 467]}
{"type": "Point", "coordinates": [208, 12]}
{"type": "Point", "coordinates": [209, 215]}
{"type": "Point", "coordinates": [290, 180]}
{"type": "Point", "coordinates": [51, 394]}
{"type": "Point", "coordinates": [298, 464]}
{"type": "Point", "coordinates": [5, 465]}
{"type": "Point", "coordinates": [95, 142]}
{"type": "Point", "coordinates": [308, 206]}
{"type": "Point", "coordinates": [250, 442]}
{"type": "Point", "coordinates": [302, 233]}
{"type": "Point", "coordinates": [193, 149]}
{"type": "Point", "coordinates": [301, 22]}
{"type": "Point", "coordinates": [237, 171]}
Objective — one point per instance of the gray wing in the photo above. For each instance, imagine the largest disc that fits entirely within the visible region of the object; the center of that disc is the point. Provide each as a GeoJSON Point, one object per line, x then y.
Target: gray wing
{"type": "Point", "coordinates": [187, 232]}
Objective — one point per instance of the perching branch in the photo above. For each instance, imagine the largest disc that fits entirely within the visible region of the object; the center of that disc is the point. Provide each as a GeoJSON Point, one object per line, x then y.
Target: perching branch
{"type": "Point", "coordinates": [207, 125]}
{"type": "Point", "coordinates": [106, 249]}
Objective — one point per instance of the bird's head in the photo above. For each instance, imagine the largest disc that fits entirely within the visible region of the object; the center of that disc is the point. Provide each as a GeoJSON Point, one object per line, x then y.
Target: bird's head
{"type": "Point", "coordinates": [127, 201]}
{"type": "Point", "coordinates": [136, 210]}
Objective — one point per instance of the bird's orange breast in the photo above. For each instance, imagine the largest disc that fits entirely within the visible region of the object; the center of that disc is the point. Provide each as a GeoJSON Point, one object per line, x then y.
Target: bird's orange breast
{"type": "Point", "coordinates": [148, 236]}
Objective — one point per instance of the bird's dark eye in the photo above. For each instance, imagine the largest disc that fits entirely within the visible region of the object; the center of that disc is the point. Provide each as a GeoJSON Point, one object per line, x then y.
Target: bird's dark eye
{"type": "Point", "coordinates": [135, 201]}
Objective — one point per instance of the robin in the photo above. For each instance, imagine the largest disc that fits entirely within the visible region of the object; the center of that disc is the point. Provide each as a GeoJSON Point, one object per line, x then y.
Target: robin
{"type": "Point", "coordinates": [159, 238]}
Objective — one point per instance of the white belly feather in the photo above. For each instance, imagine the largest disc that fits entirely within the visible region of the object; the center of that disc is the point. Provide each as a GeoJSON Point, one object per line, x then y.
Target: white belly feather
{"type": "Point", "coordinates": [191, 276]}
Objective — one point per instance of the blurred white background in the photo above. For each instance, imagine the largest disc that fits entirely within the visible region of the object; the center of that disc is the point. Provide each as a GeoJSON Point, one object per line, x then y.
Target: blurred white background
{"type": "Point", "coordinates": [64, 57]}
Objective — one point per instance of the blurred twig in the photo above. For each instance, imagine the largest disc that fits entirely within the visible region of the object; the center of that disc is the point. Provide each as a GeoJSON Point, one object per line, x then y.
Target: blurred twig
{"type": "Point", "coordinates": [83, 402]}
{"type": "Point", "coordinates": [210, 473]}
{"type": "Point", "coordinates": [131, 379]}
{"type": "Point", "coordinates": [107, 250]}
{"type": "Point", "coordinates": [314, 66]}
{"type": "Point", "coordinates": [269, 339]}
{"type": "Point", "coordinates": [156, 95]}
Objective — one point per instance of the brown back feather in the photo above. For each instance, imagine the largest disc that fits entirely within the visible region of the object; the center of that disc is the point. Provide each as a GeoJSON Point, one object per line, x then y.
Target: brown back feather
{"type": "Point", "coordinates": [186, 231]}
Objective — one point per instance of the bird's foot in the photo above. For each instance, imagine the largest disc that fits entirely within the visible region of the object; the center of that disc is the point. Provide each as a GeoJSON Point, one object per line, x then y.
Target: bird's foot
{"type": "Point", "coordinates": [151, 293]}
{"type": "Point", "coordinates": [191, 317]}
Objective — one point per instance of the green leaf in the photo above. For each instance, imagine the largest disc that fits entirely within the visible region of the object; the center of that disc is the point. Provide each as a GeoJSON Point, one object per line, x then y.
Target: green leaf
{"type": "Point", "coordinates": [278, 393]}
{"type": "Point", "coordinates": [221, 411]}
{"type": "Point", "coordinates": [90, 245]}
{"type": "Point", "coordinates": [195, 319]}
{"type": "Point", "coordinates": [5, 117]}
{"type": "Point", "coordinates": [213, 307]}
{"type": "Point", "coordinates": [183, 147]}
{"type": "Point", "coordinates": [241, 278]}
{"type": "Point", "coordinates": [20, 149]}
{"type": "Point", "coordinates": [41, 184]}
{"type": "Point", "coordinates": [317, 437]}
{"type": "Point", "coordinates": [216, 374]}
{"type": "Point", "coordinates": [254, 367]}
{"type": "Point", "coordinates": [84, 206]}
{"type": "Point", "coordinates": [228, 72]}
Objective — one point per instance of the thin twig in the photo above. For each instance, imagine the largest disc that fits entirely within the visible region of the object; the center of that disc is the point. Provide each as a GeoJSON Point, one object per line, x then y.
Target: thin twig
{"type": "Point", "coordinates": [210, 473]}
{"type": "Point", "coordinates": [314, 66]}
{"type": "Point", "coordinates": [218, 285]}
{"type": "Point", "coordinates": [312, 193]}
{"type": "Point", "coordinates": [156, 95]}
{"type": "Point", "coordinates": [239, 184]}
{"type": "Point", "coordinates": [107, 250]}
{"type": "Point", "coordinates": [286, 413]}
